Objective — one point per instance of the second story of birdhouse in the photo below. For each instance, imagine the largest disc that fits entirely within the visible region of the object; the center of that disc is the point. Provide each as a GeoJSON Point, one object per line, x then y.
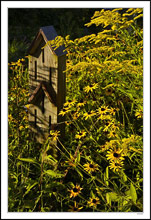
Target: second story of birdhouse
{"type": "Point", "coordinates": [46, 64]}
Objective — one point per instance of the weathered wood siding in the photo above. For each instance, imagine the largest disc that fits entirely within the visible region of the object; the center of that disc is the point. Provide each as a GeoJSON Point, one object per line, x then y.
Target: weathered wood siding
{"type": "Point", "coordinates": [50, 64]}
{"type": "Point", "coordinates": [50, 70]}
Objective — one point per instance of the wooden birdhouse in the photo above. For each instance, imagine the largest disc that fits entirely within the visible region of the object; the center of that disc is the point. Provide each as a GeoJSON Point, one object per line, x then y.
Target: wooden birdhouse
{"type": "Point", "coordinates": [46, 85]}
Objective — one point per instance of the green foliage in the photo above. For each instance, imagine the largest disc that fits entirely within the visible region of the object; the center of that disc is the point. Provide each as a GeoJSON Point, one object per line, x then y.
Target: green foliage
{"type": "Point", "coordinates": [100, 167]}
{"type": "Point", "coordinates": [16, 49]}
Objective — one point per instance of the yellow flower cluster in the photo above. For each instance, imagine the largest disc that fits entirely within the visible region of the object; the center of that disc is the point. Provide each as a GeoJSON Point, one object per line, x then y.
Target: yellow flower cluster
{"type": "Point", "coordinates": [80, 135]}
{"type": "Point", "coordinates": [54, 135]}
{"type": "Point", "coordinates": [89, 114]}
{"type": "Point", "coordinates": [93, 202]}
{"type": "Point", "coordinates": [131, 144]}
{"type": "Point", "coordinates": [75, 191]}
{"type": "Point", "coordinates": [113, 18]}
{"type": "Point", "coordinates": [90, 167]}
{"type": "Point", "coordinates": [75, 208]}
{"type": "Point", "coordinates": [115, 157]}
{"type": "Point", "coordinates": [139, 113]}
{"type": "Point", "coordinates": [18, 63]}
{"type": "Point", "coordinates": [67, 107]}
{"type": "Point", "coordinates": [90, 88]}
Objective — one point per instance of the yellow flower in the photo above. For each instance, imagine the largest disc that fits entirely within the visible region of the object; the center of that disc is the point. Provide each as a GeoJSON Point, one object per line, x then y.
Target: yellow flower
{"type": "Point", "coordinates": [90, 167]}
{"type": "Point", "coordinates": [113, 111]}
{"type": "Point", "coordinates": [94, 202]}
{"type": "Point", "coordinates": [27, 106]}
{"type": "Point", "coordinates": [71, 161]}
{"type": "Point", "coordinates": [139, 114]}
{"type": "Point", "coordinates": [76, 115]}
{"type": "Point", "coordinates": [116, 166]}
{"type": "Point", "coordinates": [108, 91]}
{"type": "Point", "coordinates": [80, 134]}
{"type": "Point", "coordinates": [54, 134]}
{"type": "Point", "coordinates": [81, 103]}
{"type": "Point", "coordinates": [89, 114]}
{"type": "Point", "coordinates": [103, 110]}
{"type": "Point", "coordinates": [25, 117]}
{"type": "Point", "coordinates": [67, 123]}
{"type": "Point", "coordinates": [90, 88]}
{"type": "Point", "coordinates": [69, 103]}
{"type": "Point", "coordinates": [64, 111]}
{"type": "Point", "coordinates": [112, 134]}
{"type": "Point", "coordinates": [10, 118]}
{"type": "Point", "coordinates": [107, 125]}
{"type": "Point", "coordinates": [103, 148]}
{"type": "Point", "coordinates": [115, 155]}
{"type": "Point", "coordinates": [21, 127]}
{"type": "Point", "coordinates": [75, 191]}
{"type": "Point", "coordinates": [75, 208]}
{"type": "Point", "coordinates": [13, 64]}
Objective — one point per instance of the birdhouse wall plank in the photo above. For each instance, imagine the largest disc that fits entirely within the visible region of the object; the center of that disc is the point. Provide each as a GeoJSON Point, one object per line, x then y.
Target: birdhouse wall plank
{"type": "Point", "coordinates": [47, 85]}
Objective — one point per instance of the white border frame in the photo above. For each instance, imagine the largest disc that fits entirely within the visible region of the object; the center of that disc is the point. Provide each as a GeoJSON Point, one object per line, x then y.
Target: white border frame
{"type": "Point", "coordinates": [4, 60]}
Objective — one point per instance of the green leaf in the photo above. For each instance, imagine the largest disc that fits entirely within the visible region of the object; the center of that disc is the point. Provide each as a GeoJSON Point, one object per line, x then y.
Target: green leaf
{"type": "Point", "coordinates": [29, 188]}
{"type": "Point", "coordinates": [78, 171]}
{"type": "Point", "coordinates": [53, 174]}
{"type": "Point", "coordinates": [92, 194]}
{"type": "Point", "coordinates": [50, 157]}
{"type": "Point", "coordinates": [106, 176]}
{"type": "Point", "coordinates": [28, 204]}
{"type": "Point", "coordinates": [28, 160]}
{"type": "Point", "coordinates": [112, 196]}
{"type": "Point", "coordinates": [89, 180]}
{"type": "Point", "coordinates": [126, 93]}
{"type": "Point", "coordinates": [50, 194]}
{"type": "Point", "coordinates": [133, 193]}
{"type": "Point", "coordinates": [124, 176]}
{"type": "Point", "coordinates": [128, 193]}
{"type": "Point", "coordinates": [78, 157]}
{"type": "Point", "coordinates": [108, 199]}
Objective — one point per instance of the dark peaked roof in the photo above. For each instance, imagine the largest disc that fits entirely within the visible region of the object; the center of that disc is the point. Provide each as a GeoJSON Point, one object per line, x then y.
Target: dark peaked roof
{"type": "Point", "coordinates": [48, 33]}
{"type": "Point", "coordinates": [47, 90]}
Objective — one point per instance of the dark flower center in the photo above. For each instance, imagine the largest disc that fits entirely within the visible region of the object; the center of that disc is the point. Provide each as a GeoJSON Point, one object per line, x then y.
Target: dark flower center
{"type": "Point", "coordinates": [109, 90]}
{"type": "Point", "coordinates": [94, 200]}
{"type": "Point", "coordinates": [75, 190]}
{"type": "Point", "coordinates": [91, 166]}
{"type": "Point", "coordinates": [115, 155]}
{"type": "Point", "coordinates": [107, 123]}
{"type": "Point", "coordinates": [102, 109]}
{"type": "Point", "coordinates": [63, 110]}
